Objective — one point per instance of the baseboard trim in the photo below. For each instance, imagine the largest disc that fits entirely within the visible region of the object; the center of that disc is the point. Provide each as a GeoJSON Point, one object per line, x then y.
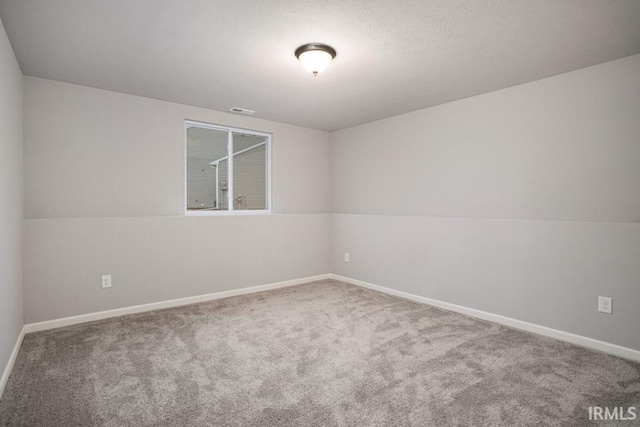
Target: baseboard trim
{"type": "Point", "coordinates": [12, 359]}
{"type": "Point", "coordinates": [614, 349]}
{"type": "Point", "coordinates": [90, 317]}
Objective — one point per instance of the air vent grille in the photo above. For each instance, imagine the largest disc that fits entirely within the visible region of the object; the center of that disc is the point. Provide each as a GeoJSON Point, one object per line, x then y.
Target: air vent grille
{"type": "Point", "coordinates": [244, 111]}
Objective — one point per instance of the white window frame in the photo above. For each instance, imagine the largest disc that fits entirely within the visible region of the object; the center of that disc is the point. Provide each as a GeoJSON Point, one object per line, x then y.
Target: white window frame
{"type": "Point", "coordinates": [231, 210]}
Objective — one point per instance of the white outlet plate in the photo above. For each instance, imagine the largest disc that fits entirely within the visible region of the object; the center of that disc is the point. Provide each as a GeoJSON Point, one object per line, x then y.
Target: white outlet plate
{"type": "Point", "coordinates": [106, 281]}
{"type": "Point", "coordinates": [346, 257]}
{"type": "Point", "coordinates": [605, 305]}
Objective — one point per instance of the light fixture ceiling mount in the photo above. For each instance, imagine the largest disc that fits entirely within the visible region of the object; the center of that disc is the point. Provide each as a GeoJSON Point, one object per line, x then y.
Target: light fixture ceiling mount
{"type": "Point", "coordinates": [315, 57]}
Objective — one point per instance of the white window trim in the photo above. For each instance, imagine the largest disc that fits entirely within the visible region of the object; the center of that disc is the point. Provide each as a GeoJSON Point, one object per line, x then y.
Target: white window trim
{"type": "Point", "coordinates": [231, 211]}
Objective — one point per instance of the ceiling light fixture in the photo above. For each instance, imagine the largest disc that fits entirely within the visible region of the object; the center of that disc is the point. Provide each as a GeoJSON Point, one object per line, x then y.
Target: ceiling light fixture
{"type": "Point", "coordinates": [315, 57]}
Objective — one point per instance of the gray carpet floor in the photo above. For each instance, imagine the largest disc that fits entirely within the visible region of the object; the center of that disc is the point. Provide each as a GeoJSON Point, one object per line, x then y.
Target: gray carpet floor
{"type": "Point", "coordinates": [321, 354]}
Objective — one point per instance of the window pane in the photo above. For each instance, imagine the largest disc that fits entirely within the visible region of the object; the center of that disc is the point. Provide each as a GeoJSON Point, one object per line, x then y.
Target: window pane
{"type": "Point", "coordinates": [207, 169]}
{"type": "Point", "coordinates": [249, 171]}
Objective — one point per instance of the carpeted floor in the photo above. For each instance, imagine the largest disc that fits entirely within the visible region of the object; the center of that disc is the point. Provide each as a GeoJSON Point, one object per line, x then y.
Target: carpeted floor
{"type": "Point", "coordinates": [321, 354]}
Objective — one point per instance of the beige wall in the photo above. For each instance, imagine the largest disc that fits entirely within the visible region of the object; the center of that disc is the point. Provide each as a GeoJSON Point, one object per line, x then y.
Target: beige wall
{"type": "Point", "coordinates": [522, 202]}
{"type": "Point", "coordinates": [11, 316]}
{"type": "Point", "coordinates": [104, 178]}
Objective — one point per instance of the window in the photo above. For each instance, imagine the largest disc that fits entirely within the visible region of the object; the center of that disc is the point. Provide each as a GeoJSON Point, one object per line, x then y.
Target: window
{"type": "Point", "coordinates": [228, 170]}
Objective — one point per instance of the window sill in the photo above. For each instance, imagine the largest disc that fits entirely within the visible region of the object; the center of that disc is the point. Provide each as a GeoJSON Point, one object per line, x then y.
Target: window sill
{"type": "Point", "coordinates": [228, 213]}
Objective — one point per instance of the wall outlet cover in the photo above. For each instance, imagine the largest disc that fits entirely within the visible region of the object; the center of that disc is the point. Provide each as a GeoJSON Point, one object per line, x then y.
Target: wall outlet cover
{"type": "Point", "coordinates": [605, 305]}
{"type": "Point", "coordinates": [346, 257]}
{"type": "Point", "coordinates": [106, 281]}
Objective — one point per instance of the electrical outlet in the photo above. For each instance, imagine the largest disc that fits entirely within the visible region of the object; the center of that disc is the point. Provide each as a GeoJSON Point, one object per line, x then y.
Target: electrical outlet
{"type": "Point", "coordinates": [346, 257]}
{"type": "Point", "coordinates": [605, 305]}
{"type": "Point", "coordinates": [106, 281]}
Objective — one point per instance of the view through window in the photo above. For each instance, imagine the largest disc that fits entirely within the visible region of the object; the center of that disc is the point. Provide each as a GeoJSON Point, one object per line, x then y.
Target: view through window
{"type": "Point", "coordinates": [227, 169]}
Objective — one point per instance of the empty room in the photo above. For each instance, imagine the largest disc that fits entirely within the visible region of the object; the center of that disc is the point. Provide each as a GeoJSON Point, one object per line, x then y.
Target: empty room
{"type": "Point", "coordinates": [319, 213]}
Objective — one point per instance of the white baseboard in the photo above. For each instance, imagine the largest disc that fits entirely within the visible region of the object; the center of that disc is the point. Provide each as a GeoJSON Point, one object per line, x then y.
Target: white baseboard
{"type": "Point", "coordinates": [616, 350]}
{"type": "Point", "coordinates": [83, 318]}
{"type": "Point", "coordinates": [11, 361]}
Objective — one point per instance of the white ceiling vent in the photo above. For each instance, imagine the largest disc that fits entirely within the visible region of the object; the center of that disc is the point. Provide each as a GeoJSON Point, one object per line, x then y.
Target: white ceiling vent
{"type": "Point", "coordinates": [244, 111]}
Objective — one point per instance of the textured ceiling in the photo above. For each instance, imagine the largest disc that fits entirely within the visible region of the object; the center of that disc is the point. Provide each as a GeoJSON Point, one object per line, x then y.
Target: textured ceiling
{"type": "Point", "coordinates": [393, 56]}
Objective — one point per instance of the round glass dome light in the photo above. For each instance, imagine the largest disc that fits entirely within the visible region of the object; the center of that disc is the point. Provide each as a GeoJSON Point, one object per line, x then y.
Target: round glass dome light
{"type": "Point", "coordinates": [315, 57]}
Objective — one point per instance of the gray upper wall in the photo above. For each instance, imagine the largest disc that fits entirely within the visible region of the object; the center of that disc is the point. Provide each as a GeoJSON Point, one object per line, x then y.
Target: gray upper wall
{"type": "Point", "coordinates": [11, 313]}
{"type": "Point", "coordinates": [95, 153]}
{"type": "Point", "coordinates": [562, 148]}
